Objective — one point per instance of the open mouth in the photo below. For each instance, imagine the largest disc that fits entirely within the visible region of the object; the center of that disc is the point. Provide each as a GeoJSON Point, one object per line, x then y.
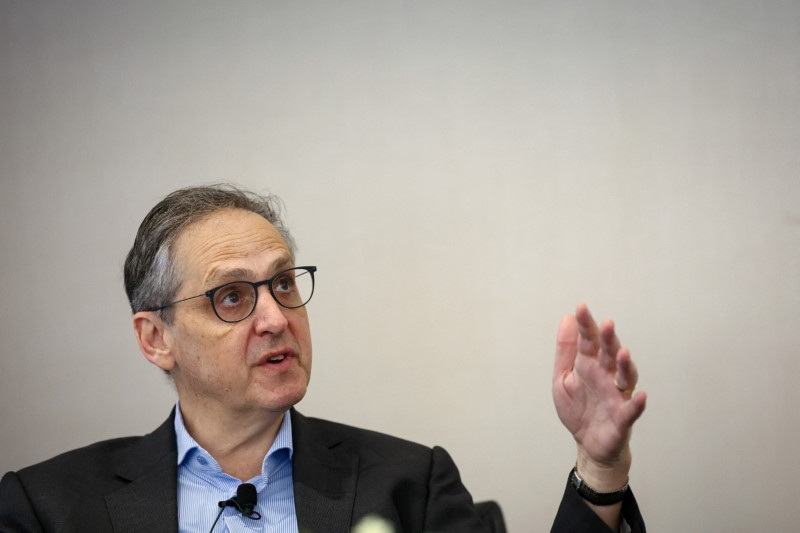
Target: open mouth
{"type": "Point", "coordinates": [275, 359]}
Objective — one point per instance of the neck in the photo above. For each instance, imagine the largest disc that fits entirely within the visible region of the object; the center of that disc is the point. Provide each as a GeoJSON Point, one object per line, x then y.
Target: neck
{"type": "Point", "coordinates": [237, 441]}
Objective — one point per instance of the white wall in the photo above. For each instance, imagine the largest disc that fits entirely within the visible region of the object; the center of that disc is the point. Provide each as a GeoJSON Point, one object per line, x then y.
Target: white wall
{"type": "Point", "coordinates": [463, 173]}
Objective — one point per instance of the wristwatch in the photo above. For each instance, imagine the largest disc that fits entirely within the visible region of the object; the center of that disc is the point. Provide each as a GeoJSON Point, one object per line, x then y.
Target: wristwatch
{"type": "Point", "coordinates": [592, 496]}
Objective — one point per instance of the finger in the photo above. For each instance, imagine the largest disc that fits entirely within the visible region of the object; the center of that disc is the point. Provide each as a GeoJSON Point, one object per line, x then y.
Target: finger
{"type": "Point", "coordinates": [633, 409]}
{"type": "Point", "coordinates": [566, 346]}
{"type": "Point", "coordinates": [627, 376]}
{"type": "Point", "coordinates": [589, 339]}
{"type": "Point", "coordinates": [609, 345]}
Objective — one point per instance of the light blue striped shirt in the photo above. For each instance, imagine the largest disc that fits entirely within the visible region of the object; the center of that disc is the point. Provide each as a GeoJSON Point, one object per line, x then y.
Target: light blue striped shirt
{"type": "Point", "coordinates": [202, 483]}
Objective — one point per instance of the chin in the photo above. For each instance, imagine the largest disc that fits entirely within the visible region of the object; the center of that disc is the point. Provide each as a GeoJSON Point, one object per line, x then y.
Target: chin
{"type": "Point", "coordinates": [285, 400]}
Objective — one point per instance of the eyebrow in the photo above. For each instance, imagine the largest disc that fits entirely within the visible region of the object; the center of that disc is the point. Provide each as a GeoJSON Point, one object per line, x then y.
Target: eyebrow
{"type": "Point", "coordinates": [221, 277]}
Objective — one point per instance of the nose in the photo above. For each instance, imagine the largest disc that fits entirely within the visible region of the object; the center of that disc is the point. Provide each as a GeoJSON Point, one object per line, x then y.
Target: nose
{"type": "Point", "coordinates": [268, 317]}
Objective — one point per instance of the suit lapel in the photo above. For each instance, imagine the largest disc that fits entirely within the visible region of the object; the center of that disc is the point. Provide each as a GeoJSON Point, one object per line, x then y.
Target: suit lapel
{"type": "Point", "coordinates": [324, 482]}
{"type": "Point", "coordinates": [324, 479]}
{"type": "Point", "coordinates": [150, 501]}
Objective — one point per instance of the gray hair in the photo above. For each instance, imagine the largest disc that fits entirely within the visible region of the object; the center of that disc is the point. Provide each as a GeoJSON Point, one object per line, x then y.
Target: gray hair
{"type": "Point", "coordinates": [151, 275]}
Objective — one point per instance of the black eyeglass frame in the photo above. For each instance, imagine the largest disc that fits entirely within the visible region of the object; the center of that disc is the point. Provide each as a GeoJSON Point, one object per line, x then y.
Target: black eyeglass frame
{"type": "Point", "coordinates": [255, 284]}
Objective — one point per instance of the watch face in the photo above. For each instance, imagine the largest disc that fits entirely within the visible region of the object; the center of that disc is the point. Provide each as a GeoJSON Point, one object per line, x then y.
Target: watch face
{"type": "Point", "coordinates": [575, 479]}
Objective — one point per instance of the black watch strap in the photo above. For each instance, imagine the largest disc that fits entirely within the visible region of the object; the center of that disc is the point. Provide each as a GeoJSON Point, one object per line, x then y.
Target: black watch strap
{"type": "Point", "coordinates": [592, 496]}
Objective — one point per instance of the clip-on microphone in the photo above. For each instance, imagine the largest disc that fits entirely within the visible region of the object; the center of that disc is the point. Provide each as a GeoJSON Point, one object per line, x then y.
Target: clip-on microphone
{"type": "Point", "coordinates": [244, 502]}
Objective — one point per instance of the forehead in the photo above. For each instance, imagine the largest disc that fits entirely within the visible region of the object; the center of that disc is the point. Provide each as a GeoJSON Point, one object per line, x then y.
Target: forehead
{"type": "Point", "coordinates": [225, 240]}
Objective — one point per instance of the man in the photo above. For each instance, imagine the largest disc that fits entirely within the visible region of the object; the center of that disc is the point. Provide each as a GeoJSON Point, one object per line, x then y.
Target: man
{"type": "Point", "coordinates": [219, 304]}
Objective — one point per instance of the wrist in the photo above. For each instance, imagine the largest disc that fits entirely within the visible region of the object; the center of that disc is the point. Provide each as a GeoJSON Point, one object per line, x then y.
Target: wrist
{"type": "Point", "coordinates": [604, 476]}
{"type": "Point", "coordinates": [594, 497]}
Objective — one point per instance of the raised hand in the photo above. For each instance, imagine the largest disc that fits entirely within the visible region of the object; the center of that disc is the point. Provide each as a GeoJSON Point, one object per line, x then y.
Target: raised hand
{"type": "Point", "coordinates": [593, 382]}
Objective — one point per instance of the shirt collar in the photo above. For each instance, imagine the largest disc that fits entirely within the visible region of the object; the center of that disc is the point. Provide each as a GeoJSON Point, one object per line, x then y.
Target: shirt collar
{"type": "Point", "coordinates": [187, 445]}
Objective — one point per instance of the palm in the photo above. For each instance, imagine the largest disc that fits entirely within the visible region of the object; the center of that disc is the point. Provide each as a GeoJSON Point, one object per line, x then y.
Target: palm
{"type": "Point", "coordinates": [588, 361]}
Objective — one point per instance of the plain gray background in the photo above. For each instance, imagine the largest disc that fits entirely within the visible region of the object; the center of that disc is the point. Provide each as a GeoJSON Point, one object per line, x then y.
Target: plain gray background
{"type": "Point", "coordinates": [462, 173]}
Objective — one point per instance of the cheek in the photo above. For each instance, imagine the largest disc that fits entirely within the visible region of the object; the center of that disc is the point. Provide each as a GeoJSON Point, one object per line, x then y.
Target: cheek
{"type": "Point", "coordinates": [298, 323]}
{"type": "Point", "coordinates": [210, 349]}
{"type": "Point", "coordinates": [300, 331]}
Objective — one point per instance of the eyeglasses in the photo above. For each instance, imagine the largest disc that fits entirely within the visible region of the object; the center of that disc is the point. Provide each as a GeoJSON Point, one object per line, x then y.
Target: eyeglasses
{"type": "Point", "coordinates": [233, 302]}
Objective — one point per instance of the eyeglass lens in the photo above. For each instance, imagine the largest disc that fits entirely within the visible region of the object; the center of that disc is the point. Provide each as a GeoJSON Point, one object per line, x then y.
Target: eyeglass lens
{"type": "Point", "coordinates": [235, 301]}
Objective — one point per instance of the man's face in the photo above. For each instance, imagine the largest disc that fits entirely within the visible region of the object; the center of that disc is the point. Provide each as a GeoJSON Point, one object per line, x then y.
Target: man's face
{"type": "Point", "coordinates": [225, 368]}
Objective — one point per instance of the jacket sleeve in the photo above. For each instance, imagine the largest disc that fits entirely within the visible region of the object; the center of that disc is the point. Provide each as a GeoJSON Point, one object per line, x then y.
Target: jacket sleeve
{"type": "Point", "coordinates": [16, 511]}
{"type": "Point", "coordinates": [574, 516]}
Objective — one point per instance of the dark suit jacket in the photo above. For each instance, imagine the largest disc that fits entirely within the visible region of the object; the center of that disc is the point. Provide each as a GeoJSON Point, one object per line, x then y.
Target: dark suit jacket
{"type": "Point", "coordinates": [340, 473]}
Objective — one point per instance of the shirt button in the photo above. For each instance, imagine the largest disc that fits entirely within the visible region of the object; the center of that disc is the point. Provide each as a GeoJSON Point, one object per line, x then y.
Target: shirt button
{"type": "Point", "coordinates": [202, 460]}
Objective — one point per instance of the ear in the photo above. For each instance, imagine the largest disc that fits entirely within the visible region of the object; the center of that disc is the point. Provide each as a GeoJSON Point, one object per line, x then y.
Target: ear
{"type": "Point", "coordinates": [152, 335]}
